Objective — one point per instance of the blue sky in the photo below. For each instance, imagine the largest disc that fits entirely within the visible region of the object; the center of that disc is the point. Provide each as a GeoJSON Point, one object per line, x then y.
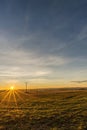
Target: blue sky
{"type": "Point", "coordinates": [43, 41]}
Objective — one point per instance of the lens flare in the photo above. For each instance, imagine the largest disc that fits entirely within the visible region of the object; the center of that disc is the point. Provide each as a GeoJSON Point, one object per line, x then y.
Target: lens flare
{"type": "Point", "coordinates": [12, 88]}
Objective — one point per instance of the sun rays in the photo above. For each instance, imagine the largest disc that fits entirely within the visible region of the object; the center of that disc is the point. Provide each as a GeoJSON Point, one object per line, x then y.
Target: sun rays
{"type": "Point", "coordinates": [10, 99]}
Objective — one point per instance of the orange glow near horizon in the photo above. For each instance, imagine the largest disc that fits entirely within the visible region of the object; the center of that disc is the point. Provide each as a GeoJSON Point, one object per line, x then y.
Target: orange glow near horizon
{"type": "Point", "coordinates": [16, 86]}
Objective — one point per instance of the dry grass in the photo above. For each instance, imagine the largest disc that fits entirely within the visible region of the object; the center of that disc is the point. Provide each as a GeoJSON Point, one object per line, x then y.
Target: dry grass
{"type": "Point", "coordinates": [43, 110]}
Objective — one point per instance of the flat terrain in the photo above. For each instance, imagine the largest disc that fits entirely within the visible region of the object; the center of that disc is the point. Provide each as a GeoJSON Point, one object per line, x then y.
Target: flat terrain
{"type": "Point", "coordinates": [43, 110]}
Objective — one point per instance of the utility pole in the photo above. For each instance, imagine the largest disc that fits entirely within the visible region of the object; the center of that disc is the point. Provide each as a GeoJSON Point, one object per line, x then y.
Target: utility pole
{"type": "Point", "coordinates": [26, 87]}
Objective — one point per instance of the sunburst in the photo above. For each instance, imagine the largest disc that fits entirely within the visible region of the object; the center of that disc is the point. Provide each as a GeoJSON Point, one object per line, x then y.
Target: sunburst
{"type": "Point", "coordinates": [11, 98]}
{"type": "Point", "coordinates": [12, 88]}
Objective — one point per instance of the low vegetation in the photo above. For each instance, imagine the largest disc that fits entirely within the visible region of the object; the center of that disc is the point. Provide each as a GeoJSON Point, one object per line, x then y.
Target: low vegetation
{"type": "Point", "coordinates": [43, 110]}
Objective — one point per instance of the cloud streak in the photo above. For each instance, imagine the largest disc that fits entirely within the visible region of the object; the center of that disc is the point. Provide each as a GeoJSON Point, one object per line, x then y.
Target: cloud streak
{"type": "Point", "coordinates": [79, 82]}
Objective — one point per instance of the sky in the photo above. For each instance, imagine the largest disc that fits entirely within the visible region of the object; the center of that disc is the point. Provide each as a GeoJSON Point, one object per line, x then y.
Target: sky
{"type": "Point", "coordinates": [43, 42]}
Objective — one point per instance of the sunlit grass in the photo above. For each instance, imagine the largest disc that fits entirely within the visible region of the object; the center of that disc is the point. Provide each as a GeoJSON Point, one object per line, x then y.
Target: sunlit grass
{"type": "Point", "coordinates": [47, 110]}
{"type": "Point", "coordinates": [10, 99]}
{"type": "Point", "coordinates": [5, 97]}
{"type": "Point", "coordinates": [18, 95]}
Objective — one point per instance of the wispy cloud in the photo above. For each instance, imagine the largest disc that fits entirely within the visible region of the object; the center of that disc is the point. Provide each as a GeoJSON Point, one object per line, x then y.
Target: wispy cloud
{"type": "Point", "coordinates": [43, 40]}
{"type": "Point", "coordinates": [79, 82]}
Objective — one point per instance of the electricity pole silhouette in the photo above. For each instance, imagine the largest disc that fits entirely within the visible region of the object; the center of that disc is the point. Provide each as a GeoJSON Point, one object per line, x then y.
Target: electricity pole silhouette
{"type": "Point", "coordinates": [26, 87]}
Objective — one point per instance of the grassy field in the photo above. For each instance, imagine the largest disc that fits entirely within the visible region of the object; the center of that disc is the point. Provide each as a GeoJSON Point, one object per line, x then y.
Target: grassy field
{"type": "Point", "coordinates": [43, 110]}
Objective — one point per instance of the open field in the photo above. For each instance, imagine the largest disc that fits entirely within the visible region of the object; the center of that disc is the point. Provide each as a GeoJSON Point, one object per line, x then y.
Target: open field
{"type": "Point", "coordinates": [43, 110]}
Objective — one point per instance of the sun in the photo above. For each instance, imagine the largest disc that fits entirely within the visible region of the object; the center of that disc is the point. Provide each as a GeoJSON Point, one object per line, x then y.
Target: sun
{"type": "Point", "coordinates": [12, 88]}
